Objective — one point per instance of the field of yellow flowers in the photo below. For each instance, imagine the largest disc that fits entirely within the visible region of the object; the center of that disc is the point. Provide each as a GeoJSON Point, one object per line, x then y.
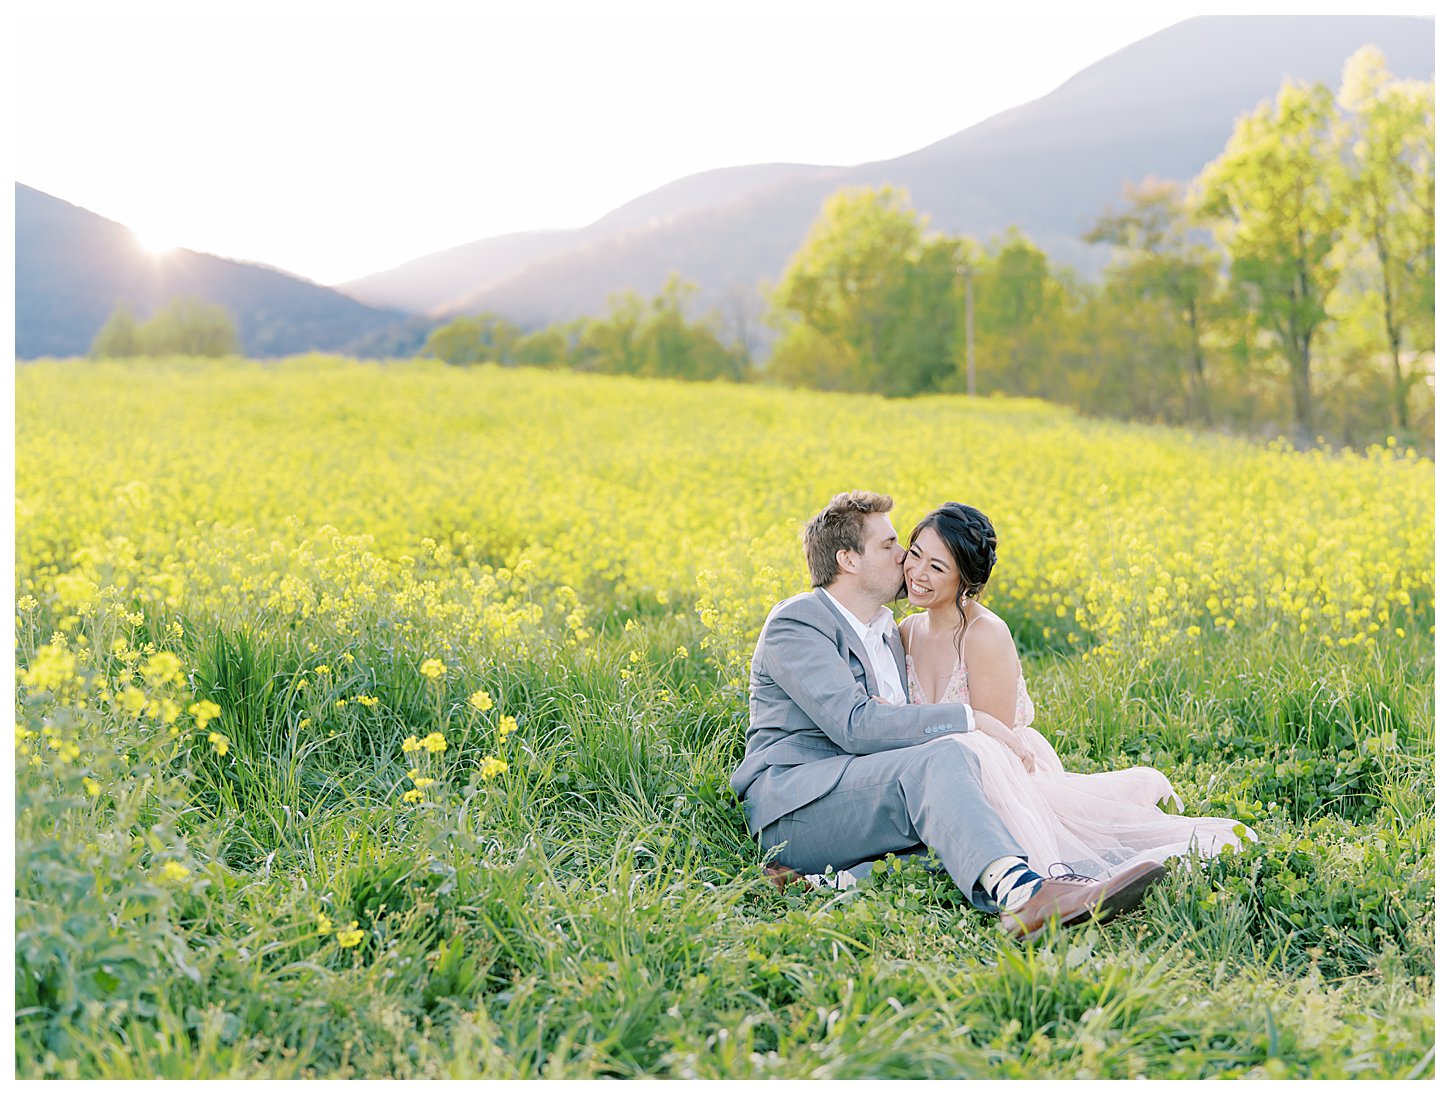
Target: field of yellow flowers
{"type": "Point", "coordinates": [375, 720]}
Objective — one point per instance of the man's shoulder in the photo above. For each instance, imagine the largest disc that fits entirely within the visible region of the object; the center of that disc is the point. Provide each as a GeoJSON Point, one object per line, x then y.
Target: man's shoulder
{"type": "Point", "coordinates": [808, 609]}
{"type": "Point", "coordinates": [809, 606]}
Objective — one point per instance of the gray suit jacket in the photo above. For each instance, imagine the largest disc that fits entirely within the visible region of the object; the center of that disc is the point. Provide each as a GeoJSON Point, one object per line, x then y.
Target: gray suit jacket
{"type": "Point", "coordinates": [811, 709]}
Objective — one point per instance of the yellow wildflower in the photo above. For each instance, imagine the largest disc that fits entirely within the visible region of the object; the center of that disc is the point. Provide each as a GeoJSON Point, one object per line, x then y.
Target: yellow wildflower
{"type": "Point", "coordinates": [161, 668]}
{"type": "Point", "coordinates": [75, 591]}
{"type": "Point", "coordinates": [432, 668]}
{"type": "Point", "coordinates": [434, 743]}
{"type": "Point", "coordinates": [164, 708]}
{"type": "Point", "coordinates": [66, 751]}
{"type": "Point", "coordinates": [492, 766]}
{"type": "Point", "coordinates": [368, 701]}
{"type": "Point", "coordinates": [411, 744]}
{"type": "Point", "coordinates": [481, 701]}
{"type": "Point", "coordinates": [132, 700]}
{"type": "Point", "coordinates": [172, 871]}
{"type": "Point", "coordinates": [203, 711]}
{"type": "Point", "coordinates": [507, 724]}
{"type": "Point", "coordinates": [350, 936]}
{"type": "Point", "coordinates": [52, 667]}
{"type": "Point", "coordinates": [413, 795]}
{"type": "Point", "coordinates": [324, 924]}
{"type": "Point", "coordinates": [92, 787]}
{"type": "Point", "coordinates": [219, 742]}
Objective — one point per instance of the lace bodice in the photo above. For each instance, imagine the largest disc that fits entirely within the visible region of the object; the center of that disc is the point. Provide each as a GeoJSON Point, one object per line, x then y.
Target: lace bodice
{"type": "Point", "coordinates": [956, 691]}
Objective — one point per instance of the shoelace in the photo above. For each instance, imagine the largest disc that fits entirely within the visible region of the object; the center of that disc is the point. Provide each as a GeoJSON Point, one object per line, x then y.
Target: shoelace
{"type": "Point", "coordinates": [1068, 874]}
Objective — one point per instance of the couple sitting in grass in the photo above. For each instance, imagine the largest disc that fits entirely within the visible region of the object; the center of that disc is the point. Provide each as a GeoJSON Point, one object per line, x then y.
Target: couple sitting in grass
{"type": "Point", "coordinates": [866, 740]}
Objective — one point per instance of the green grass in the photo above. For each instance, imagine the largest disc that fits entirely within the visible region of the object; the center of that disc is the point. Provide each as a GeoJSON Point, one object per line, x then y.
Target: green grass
{"type": "Point", "coordinates": [598, 911]}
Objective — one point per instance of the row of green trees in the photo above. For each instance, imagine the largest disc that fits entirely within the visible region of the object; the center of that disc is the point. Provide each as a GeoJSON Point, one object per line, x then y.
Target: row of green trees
{"type": "Point", "coordinates": [185, 325]}
{"type": "Point", "coordinates": [637, 337]}
{"type": "Point", "coordinates": [1289, 288]}
{"type": "Point", "coordinates": [1291, 284]}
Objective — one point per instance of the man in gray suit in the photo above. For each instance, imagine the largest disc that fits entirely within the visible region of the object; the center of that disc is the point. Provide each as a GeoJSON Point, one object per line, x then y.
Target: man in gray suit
{"type": "Point", "coordinates": [835, 776]}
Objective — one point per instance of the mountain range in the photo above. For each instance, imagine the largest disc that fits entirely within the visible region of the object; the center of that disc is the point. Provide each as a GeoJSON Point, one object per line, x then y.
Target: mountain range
{"type": "Point", "coordinates": [1163, 106]}
{"type": "Point", "coordinates": [72, 268]}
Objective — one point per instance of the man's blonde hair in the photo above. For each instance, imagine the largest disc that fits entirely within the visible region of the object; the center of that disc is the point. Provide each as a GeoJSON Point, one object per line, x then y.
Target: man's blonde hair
{"type": "Point", "coordinates": [838, 527]}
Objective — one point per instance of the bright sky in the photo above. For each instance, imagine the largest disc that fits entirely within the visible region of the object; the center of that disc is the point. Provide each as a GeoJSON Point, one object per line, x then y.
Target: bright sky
{"type": "Point", "coordinates": [335, 140]}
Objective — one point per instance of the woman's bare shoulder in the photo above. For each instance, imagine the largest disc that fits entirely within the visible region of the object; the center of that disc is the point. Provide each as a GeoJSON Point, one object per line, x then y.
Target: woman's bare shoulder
{"type": "Point", "coordinates": [989, 635]}
{"type": "Point", "coordinates": [906, 625]}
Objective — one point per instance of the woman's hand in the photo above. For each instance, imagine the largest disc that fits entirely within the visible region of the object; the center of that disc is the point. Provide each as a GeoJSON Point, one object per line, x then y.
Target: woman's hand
{"type": "Point", "coordinates": [995, 729]}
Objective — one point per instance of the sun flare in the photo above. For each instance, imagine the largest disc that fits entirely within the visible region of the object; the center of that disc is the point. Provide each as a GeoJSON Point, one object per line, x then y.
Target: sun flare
{"type": "Point", "coordinates": [154, 243]}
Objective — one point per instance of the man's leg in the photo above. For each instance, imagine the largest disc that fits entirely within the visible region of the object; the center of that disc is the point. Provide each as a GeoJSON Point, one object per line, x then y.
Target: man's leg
{"type": "Point", "coordinates": [896, 801]}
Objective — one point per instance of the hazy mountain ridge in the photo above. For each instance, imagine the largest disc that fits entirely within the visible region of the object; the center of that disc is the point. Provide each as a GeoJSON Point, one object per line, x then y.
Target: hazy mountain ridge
{"type": "Point", "coordinates": [1050, 166]}
{"type": "Point", "coordinates": [72, 267]}
{"type": "Point", "coordinates": [443, 281]}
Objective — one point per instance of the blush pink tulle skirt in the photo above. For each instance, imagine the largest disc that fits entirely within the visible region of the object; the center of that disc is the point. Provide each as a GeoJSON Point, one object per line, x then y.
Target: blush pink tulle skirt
{"type": "Point", "coordinates": [1097, 824]}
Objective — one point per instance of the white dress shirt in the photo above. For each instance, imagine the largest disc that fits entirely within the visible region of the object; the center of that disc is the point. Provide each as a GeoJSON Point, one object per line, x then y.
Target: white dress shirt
{"type": "Point", "coordinates": [873, 638]}
{"type": "Point", "coordinates": [883, 661]}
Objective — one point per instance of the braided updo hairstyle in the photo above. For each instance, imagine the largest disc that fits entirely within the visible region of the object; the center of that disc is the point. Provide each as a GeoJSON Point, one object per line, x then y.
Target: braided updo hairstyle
{"type": "Point", "coordinates": [971, 539]}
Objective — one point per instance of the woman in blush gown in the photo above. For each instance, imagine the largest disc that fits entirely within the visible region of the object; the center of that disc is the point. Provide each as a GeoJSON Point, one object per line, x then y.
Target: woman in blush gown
{"type": "Point", "coordinates": [1095, 824]}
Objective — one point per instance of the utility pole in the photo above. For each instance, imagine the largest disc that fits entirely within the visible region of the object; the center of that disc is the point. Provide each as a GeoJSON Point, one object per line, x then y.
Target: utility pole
{"type": "Point", "coordinates": [966, 272]}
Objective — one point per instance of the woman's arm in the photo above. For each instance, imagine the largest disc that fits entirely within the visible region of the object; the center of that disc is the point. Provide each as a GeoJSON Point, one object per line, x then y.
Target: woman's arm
{"type": "Point", "coordinates": [990, 656]}
{"type": "Point", "coordinates": [993, 727]}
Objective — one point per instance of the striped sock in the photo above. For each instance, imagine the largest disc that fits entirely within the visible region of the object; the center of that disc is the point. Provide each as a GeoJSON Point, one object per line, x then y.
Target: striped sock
{"type": "Point", "coordinates": [1009, 882]}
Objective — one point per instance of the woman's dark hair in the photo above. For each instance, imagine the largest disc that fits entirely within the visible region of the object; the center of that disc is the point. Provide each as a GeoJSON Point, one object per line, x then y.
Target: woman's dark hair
{"type": "Point", "coordinates": [971, 539]}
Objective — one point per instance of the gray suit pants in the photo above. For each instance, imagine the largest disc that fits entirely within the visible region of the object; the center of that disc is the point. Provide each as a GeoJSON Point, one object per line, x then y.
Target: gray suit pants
{"type": "Point", "coordinates": [897, 801]}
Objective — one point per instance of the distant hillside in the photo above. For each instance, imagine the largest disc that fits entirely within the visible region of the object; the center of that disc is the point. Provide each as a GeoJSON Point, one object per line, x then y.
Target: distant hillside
{"type": "Point", "coordinates": [1163, 106]}
{"type": "Point", "coordinates": [72, 267]}
{"type": "Point", "coordinates": [434, 282]}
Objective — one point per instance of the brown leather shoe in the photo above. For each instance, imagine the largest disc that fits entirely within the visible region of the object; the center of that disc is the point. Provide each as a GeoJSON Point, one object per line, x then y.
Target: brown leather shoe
{"type": "Point", "coordinates": [780, 877]}
{"type": "Point", "coordinates": [1071, 899]}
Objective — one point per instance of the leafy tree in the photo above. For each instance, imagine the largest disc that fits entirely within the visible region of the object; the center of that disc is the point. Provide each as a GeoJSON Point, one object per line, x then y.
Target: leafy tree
{"type": "Point", "coordinates": [926, 351]}
{"type": "Point", "coordinates": [189, 325]}
{"type": "Point", "coordinates": [675, 346]}
{"type": "Point", "coordinates": [657, 338]}
{"type": "Point", "coordinates": [1278, 194]}
{"type": "Point", "coordinates": [1392, 201]}
{"type": "Point", "coordinates": [1017, 298]}
{"type": "Point", "coordinates": [612, 343]}
{"type": "Point", "coordinates": [118, 336]}
{"type": "Point", "coordinates": [846, 284]}
{"type": "Point", "coordinates": [1160, 260]}
{"type": "Point", "coordinates": [469, 340]}
{"type": "Point", "coordinates": [185, 325]}
{"type": "Point", "coordinates": [550, 346]}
